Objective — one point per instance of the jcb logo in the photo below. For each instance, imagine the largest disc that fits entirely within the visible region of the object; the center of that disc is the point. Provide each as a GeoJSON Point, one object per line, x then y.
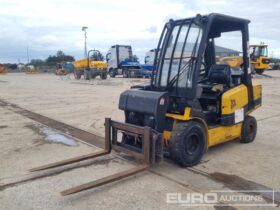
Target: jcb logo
{"type": "Point", "coordinates": [232, 103]}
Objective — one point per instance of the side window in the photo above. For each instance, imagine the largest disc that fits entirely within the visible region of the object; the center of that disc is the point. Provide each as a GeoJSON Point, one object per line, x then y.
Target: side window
{"type": "Point", "coordinates": [228, 49]}
{"type": "Point", "coordinates": [264, 51]}
{"type": "Point", "coordinates": [257, 52]}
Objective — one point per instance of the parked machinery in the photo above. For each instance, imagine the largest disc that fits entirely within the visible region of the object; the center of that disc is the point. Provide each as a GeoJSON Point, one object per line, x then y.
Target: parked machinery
{"type": "Point", "coordinates": [30, 69]}
{"type": "Point", "coordinates": [121, 61]}
{"type": "Point", "coordinates": [64, 68]}
{"type": "Point", "coordinates": [191, 104]}
{"type": "Point", "coordinates": [259, 58]}
{"type": "Point", "coordinates": [148, 67]}
{"type": "Point", "coordinates": [150, 57]}
{"type": "Point", "coordinates": [2, 69]}
{"type": "Point", "coordinates": [60, 69]}
{"type": "Point", "coordinates": [90, 67]}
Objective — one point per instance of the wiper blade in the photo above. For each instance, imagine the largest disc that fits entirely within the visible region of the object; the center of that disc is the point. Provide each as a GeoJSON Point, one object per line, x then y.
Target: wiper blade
{"type": "Point", "coordinates": [181, 71]}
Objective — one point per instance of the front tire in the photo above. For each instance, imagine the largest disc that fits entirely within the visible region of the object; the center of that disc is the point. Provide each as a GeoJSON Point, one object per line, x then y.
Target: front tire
{"type": "Point", "coordinates": [249, 130]}
{"type": "Point", "coordinates": [132, 74]}
{"type": "Point", "coordinates": [188, 143]}
{"type": "Point", "coordinates": [112, 73]}
{"type": "Point", "coordinates": [125, 74]}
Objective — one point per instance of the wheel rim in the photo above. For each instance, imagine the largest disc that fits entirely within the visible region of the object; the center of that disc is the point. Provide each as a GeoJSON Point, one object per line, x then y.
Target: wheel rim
{"type": "Point", "coordinates": [192, 144]}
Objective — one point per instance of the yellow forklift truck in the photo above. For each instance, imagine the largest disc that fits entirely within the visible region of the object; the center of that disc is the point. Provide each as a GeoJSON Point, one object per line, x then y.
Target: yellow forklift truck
{"type": "Point", "coordinates": [259, 58]}
{"type": "Point", "coordinates": [191, 104]}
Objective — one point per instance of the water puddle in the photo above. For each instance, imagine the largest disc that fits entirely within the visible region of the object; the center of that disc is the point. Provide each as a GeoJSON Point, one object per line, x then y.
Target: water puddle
{"type": "Point", "coordinates": [53, 136]}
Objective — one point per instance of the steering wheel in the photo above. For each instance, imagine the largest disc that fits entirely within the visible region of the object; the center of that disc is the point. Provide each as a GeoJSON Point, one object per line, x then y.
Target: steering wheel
{"type": "Point", "coordinates": [203, 66]}
{"type": "Point", "coordinates": [202, 72]}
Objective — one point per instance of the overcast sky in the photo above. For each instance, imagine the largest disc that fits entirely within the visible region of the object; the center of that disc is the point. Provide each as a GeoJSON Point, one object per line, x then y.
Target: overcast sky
{"type": "Point", "coordinates": [47, 26]}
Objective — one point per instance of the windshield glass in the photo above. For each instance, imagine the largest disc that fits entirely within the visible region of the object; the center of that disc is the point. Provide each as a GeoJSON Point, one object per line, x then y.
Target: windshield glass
{"type": "Point", "coordinates": [263, 51]}
{"type": "Point", "coordinates": [181, 50]}
{"type": "Point", "coordinates": [260, 51]}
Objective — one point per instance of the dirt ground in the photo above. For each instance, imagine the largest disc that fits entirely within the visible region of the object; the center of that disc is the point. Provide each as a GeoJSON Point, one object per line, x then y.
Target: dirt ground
{"type": "Point", "coordinates": [25, 142]}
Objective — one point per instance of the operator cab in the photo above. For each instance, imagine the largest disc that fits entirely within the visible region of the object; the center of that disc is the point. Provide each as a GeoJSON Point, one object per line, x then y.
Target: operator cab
{"type": "Point", "coordinates": [257, 51]}
{"type": "Point", "coordinates": [191, 66]}
{"type": "Point", "coordinates": [201, 92]}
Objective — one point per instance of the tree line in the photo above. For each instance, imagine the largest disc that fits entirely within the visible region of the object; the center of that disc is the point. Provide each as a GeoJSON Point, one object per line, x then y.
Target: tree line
{"type": "Point", "coordinates": [59, 57]}
{"type": "Point", "coordinates": [53, 59]}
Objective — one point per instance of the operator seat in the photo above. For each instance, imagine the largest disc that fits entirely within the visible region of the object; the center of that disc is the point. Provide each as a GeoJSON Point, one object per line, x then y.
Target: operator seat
{"type": "Point", "coordinates": [219, 76]}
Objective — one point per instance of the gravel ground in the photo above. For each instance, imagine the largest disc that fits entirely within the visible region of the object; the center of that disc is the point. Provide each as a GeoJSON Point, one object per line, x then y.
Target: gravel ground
{"type": "Point", "coordinates": [84, 104]}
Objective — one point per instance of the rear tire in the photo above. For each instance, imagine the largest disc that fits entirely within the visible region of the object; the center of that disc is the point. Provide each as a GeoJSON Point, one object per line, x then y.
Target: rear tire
{"type": "Point", "coordinates": [249, 130]}
{"type": "Point", "coordinates": [103, 75]}
{"type": "Point", "coordinates": [77, 74]}
{"type": "Point", "coordinates": [86, 74]}
{"type": "Point", "coordinates": [188, 143]}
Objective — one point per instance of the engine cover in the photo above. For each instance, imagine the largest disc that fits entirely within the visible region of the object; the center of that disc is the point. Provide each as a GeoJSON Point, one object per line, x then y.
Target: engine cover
{"type": "Point", "coordinates": [145, 103]}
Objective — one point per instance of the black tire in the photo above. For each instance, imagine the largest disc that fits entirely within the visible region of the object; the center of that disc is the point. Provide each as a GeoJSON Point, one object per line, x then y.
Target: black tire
{"type": "Point", "coordinates": [259, 71]}
{"type": "Point", "coordinates": [132, 74]}
{"type": "Point", "coordinates": [103, 75]}
{"type": "Point", "coordinates": [125, 74]}
{"type": "Point", "coordinates": [188, 143]}
{"type": "Point", "coordinates": [112, 73]}
{"type": "Point", "coordinates": [249, 129]}
{"type": "Point", "coordinates": [77, 74]}
{"type": "Point", "coordinates": [86, 74]}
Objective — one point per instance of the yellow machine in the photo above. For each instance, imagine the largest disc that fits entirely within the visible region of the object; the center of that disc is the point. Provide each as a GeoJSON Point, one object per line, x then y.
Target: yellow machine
{"type": "Point", "coordinates": [83, 63]}
{"type": "Point", "coordinates": [195, 100]}
{"type": "Point", "coordinates": [2, 69]}
{"type": "Point", "coordinates": [259, 58]}
{"type": "Point", "coordinates": [90, 67]}
{"type": "Point", "coordinates": [232, 61]}
{"type": "Point", "coordinates": [192, 103]}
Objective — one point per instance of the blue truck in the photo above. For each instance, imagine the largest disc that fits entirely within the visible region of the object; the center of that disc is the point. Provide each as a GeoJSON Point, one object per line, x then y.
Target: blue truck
{"type": "Point", "coordinates": [121, 61]}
